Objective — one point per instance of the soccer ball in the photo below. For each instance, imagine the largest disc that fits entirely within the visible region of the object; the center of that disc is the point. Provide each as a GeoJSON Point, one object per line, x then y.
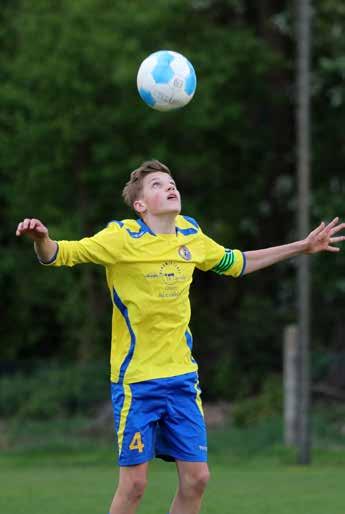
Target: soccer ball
{"type": "Point", "coordinates": [166, 80]}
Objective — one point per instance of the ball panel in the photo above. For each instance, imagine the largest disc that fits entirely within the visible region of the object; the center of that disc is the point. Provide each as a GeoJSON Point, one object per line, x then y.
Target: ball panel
{"type": "Point", "coordinates": [147, 65]}
{"type": "Point", "coordinates": [162, 72]}
{"type": "Point", "coordinates": [180, 100]}
{"type": "Point", "coordinates": [147, 97]}
{"type": "Point", "coordinates": [177, 84]}
{"type": "Point", "coordinates": [180, 66]}
{"type": "Point", "coordinates": [190, 84]}
{"type": "Point", "coordinates": [147, 82]}
{"type": "Point", "coordinates": [163, 57]}
{"type": "Point", "coordinates": [144, 72]}
{"type": "Point", "coordinates": [162, 93]}
{"type": "Point", "coordinates": [176, 55]}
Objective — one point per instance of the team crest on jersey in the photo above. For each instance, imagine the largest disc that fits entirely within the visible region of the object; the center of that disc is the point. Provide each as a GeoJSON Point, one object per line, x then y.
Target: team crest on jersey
{"type": "Point", "coordinates": [185, 253]}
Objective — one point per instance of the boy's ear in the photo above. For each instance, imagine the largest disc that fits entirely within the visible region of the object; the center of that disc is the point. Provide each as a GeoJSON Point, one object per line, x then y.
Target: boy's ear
{"type": "Point", "coordinates": [139, 206]}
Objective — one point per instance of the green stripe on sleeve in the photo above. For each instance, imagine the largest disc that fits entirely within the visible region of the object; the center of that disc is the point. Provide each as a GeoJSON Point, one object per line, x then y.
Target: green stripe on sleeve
{"type": "Point", "coordinates": [226, 263]}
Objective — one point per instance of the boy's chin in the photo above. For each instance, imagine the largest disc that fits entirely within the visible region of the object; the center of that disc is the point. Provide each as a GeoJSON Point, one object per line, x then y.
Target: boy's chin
{"type": "Point", "coordinates": [174, 211]}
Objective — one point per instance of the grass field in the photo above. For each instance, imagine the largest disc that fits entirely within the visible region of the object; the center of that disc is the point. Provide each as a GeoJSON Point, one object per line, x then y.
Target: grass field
{"type": "Point", "coordinates": [81, 484]}
{"type": "Point", "coordinates": [252, 478]}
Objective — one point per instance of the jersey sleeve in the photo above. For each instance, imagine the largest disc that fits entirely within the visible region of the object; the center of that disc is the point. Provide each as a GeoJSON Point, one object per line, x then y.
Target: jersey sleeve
{"type": "Point", "coordinates": [221, 260]}
{"type": "Point", "coordinates": [103, 248]}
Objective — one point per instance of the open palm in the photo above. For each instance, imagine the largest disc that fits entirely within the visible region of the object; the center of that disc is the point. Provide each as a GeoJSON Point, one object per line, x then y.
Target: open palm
{"type": "Point", "coordinates": [322, 238]}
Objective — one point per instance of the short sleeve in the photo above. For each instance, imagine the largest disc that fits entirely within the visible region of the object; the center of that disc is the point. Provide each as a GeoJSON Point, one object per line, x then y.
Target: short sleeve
{"type": "Point", "coordinates": [221, 260]}
{"type": "Point", "coordinates": [233, 263]}
{"type": "Point", "coordinates": [103, 248]}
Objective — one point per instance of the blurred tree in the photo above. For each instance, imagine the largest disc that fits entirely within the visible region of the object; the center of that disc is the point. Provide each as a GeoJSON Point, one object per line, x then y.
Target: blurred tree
{"type": "Point", "coordinates": [329, 162]}
{"type": "Point", "coordinates": [73, 127]}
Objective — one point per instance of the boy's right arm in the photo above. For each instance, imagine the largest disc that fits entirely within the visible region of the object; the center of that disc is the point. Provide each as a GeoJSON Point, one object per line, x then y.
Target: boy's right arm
{"type": "Point", "coordinates": [104, 247]}
{"type": "Point", "coordinates": [45, 247]}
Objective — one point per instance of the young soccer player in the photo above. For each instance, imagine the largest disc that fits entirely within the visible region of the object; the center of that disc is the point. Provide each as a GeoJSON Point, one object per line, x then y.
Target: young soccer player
{"type": "Point", "coordinates": [149, 266]}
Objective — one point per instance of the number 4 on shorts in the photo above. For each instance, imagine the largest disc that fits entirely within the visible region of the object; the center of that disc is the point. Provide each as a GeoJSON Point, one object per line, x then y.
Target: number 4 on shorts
{"type": "Point", "coordinates": [136, 443]}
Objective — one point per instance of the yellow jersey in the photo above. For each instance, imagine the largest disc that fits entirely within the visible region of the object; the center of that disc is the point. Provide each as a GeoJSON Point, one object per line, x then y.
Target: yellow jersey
{"type": "Point", "coordinates": [149, 276]}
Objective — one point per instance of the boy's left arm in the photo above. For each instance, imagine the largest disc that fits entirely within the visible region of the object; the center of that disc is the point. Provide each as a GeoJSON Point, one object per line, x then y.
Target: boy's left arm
{"type": "Point", "coordinates": [319, 240]}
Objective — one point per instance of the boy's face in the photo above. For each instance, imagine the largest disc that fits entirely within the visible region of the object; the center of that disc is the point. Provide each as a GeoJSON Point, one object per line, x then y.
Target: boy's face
{"type": "Point", "coordinates": [159, 195]}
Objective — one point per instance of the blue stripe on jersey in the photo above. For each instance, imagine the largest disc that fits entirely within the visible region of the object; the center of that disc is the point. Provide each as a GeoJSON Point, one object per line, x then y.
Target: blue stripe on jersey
{"type": "Point", "coordinates": [143, 229]}
{"type": "Point", "coordinates": [186, 231]}
{"type": "Point", "coordinates": [136, 235]}
{"type": "Point", "coordinates": [120, 223]}
{"type": "Point", "coordinates": [192, 221]}
{"type": "Point", "coordinates": [124, 311]}
{"type": "Point", "coordinates": [189, 341]}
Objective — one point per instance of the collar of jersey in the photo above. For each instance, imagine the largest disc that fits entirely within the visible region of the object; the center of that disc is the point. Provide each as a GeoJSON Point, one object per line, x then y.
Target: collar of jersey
{"type": "Point", "coordinates": [145, 229]}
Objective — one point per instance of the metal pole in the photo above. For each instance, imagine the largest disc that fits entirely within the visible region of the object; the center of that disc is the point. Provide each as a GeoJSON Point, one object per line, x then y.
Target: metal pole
{"type": "Point", "coordinates": [303, 172]}
{"type": "Point", "coordinates": [290, 386]}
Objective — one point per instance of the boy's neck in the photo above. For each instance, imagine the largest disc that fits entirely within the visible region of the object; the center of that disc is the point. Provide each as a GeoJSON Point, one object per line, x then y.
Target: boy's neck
{"type": "Point", "coordinates": [164, 224]}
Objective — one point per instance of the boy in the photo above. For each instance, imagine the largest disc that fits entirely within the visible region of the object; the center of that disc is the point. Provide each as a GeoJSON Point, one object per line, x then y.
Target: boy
{"type": "Point", "coordinates": [149, 265]}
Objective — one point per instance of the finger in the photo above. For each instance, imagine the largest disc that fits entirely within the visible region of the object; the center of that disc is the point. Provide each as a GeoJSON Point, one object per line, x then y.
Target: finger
{"type": "Point", "coordinates": [333, 222]}
{"type": "Point", "coordinates": [34, 224]}
{"type": "Point", "coordinates": [332, 249]}
{"type": "Point", "coordinates": [337, 239]}
{"type": "Point", "coordinates": [26, 223]}
{"type": "Point", "coordinates": [38, 225]}
{"type": "Point", "coordinates": [338, 228]}
{"type": "Point", "coordinates": [318, 229]}
{"type": "Point", "coordinates": [19, 229]}
{"type": "Point", "coordinates": [23, 227]}
{"type": "Point", "coordinates": [330, 226]}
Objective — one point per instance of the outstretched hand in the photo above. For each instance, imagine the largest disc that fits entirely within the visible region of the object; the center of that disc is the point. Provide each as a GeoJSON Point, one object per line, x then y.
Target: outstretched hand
{"type": "Point", "coordinates": [322, 238]}
{"type": "Point", "coordinates": [33, 228]}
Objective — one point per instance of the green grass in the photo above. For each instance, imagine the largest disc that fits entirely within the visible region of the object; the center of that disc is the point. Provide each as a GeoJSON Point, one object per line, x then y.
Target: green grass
{"type": "Point", "coordinates": [83, 484]}
{"type": "Point", "coordinates": [252, 473]}
{"type": "Point", "coordinates": [54, 468]}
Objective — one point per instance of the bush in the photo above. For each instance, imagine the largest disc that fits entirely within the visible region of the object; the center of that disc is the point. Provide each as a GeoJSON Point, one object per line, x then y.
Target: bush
{"type": "Point", "coordinates": [54, 390]}
{"type": "Point", "coordinates": [267, 404]}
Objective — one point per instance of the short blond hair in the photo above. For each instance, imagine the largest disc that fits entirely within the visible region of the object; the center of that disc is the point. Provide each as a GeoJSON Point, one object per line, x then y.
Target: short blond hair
{"type": "Point", "coordinates": [134, 186]}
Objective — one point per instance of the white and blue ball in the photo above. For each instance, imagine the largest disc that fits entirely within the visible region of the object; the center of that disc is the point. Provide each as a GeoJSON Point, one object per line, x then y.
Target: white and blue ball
{"type": "Point", "coordinates": [166, 80]}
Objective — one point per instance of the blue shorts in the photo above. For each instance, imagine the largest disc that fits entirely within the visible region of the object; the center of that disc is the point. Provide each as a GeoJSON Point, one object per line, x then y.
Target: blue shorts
{"type": "Point", "coordinates": [159, 418]}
